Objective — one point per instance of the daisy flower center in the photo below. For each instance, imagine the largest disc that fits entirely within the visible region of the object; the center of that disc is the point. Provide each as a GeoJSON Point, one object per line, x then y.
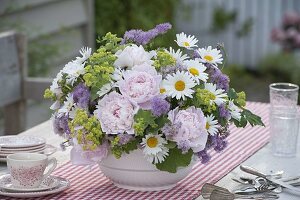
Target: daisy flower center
{"type": "Point", "coordinates": [162, 90]}
{"type": "Point", "coordinates": [152, 142]}
{"type": "Point", "coordinates": [194, 71]}
{"type": "Point", "coordinates": [207, 126]}
{"type": "Point", "coordinates": [213, 97]}
{"type": "Point", "coordinates": [179, 85]}
{"type": "Point", "coordinates": [186, 44]}
{"type": "Point", "coordinates": [208, 58]}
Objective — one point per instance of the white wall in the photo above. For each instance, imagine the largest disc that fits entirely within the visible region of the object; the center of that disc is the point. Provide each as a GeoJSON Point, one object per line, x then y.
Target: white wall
{"type": "Point", "coordinates": [248, 50]}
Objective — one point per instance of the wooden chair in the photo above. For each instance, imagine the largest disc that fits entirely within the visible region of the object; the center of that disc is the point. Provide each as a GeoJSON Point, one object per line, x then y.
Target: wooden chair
{"type": "Point", "coordinates": [15, 86]}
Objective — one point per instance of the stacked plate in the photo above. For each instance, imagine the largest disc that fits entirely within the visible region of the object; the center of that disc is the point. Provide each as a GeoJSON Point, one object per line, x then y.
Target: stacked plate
{"type": "Point", "coordinates": [17, 144]}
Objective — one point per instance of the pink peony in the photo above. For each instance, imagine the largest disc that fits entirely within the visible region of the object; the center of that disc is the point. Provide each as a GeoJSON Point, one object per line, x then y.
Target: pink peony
{"type": "Point", "coordinates": [115, 113]}
{"type": "Point", "coordinates": [141, 84]}
{"type": "Point", "coordinates": [191, 129]}
{"type": "Point", "coordinates": [133, 55]}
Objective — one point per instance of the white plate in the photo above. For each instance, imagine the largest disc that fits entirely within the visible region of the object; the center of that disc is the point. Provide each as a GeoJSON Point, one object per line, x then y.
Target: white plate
{"type": "Point", "coordinates": [22, 148]}
{"type": "Point", "coordinates": [63, 184]}
{"type": "Point", "coordinates": [14, 141]}
{"type": "Point", "coordinates": [48, 184]}
{"type": "Point", "coordinates": [49, 150]}
{"type": "Point", "coordinates": [6, 153]}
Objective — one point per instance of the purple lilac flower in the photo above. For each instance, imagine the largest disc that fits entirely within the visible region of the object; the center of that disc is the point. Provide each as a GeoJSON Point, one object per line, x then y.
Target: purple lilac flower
{"type": "Point", "coordinates": [184, 145]}
{"type": "Point", "coordinates": [221, 144]}
{"type": "Point", "coordinates": [60, 125]}
{"type": "Point", "coordinates": [81, 95]}
{"type": "Point", "coordinates": [196, 54]}
{"type": "Point", "coordinates": [204, 156]}
{"type": "Point", "coordinates": [172, 69]}
{"type": "Point", "coordinates": [159, 106]}
{"type": "Point", "coordinates": [218, 78]}
{"type": "Point", "coordinates": [141, 37]}
{"type": "Point", "coordinates": [223, 111]}
{"type": "Point", "coordinates": [124, 138]}
{"type": "Point", "coordinates": [170, 129]}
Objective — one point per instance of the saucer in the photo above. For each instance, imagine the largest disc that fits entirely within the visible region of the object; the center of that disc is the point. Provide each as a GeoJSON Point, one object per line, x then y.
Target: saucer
{"type": "Point", "coordinates": [63, 185]}
{"type": "Point", "coordinates": [47, 184]}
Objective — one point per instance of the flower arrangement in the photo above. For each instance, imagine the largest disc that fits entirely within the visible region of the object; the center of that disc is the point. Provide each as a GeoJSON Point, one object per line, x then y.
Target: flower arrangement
{"type": "Point", "coordinates": [171, 104]}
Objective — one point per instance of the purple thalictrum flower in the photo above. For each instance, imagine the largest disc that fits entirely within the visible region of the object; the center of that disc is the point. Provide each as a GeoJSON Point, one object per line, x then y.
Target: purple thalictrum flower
{"type": "Point", "coordinates": [223, 112]}
{"type": "Point", "coordinates": [124, 138]}
{"type": "Point", "coordinates": [81, 95]}
{"type": "Point", "coordinates": [60, 125]}
{"type": "Point", "coordinates": [159, 106]}
{"type": "Point", "coordinates": [204, 156]}
{"type": "Point", "coordinates": [141, 37]}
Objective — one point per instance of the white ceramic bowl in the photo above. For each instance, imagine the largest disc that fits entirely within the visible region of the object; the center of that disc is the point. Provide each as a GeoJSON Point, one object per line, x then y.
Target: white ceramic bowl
{"type": "Point", "coordinates": [132, 171]}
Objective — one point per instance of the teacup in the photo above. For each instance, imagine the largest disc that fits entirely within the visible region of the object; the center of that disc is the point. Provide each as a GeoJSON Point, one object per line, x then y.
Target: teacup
{"type": "Point", "coordinates": [27, 169]}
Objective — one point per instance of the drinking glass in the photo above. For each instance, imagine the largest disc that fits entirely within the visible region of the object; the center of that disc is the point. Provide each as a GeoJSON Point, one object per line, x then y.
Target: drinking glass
{"type": "Point", "coordinates": [284, 97]}
{"type": "Point", "coordinates": [284, 133]}
{"type": "Point", "coordinates": [284, 118]}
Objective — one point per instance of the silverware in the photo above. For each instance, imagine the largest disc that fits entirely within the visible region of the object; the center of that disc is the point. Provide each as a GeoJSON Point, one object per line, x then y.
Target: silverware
{"type": "Point", "coordinates": [213, 192]}
{"type": "Point", "coordinates": [226, 195]}
{"type": "Point", "coordinates": [273, 180]}
{"type": "Point", "coordinates": [283, 184]}
{"type": "Point", "coordinates": [208, 188]}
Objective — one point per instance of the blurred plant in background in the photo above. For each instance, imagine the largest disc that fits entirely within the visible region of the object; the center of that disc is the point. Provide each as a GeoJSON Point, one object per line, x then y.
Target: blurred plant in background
{"type": "Point", "coordinates": [285, 65]}
{"type": "Point", "coordinates": [222, 18]}
{"type": "Point", "coordinates": [288, 35]}
{"type": "Point", "coordinates": [132, 14]}
{"type": "Point", "coordinates": [40, 52]}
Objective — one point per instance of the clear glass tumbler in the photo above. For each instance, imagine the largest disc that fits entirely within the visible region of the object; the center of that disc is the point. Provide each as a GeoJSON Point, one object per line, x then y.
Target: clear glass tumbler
{"type": "Point", "coordinates": [284, 133]}
{"type": "Point", "coordinates": [283, 97]}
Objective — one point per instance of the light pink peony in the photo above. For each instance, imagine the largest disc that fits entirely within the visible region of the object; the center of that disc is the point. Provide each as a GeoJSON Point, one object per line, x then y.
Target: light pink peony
{"type": "Point", "coordinates": [133, 55]}
{"type": "Point", "coordinates": [191, 128]}
{"type": "Point", "coordinates": [115, 113]}
{"type": "Point", "coordinates": [141, 84]}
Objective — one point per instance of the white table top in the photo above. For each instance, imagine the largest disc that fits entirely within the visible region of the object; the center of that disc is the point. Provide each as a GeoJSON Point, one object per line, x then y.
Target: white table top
{"type": "Point", "coordinates": [262, 160]}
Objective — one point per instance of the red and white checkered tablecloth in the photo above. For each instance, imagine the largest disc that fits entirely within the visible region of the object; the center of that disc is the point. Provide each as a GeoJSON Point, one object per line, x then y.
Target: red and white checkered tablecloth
{"type": "Point", "coordinates": [242, 143]}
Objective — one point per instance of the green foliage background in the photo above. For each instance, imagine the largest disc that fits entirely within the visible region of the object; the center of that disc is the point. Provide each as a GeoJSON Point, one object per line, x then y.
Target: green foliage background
{"type": "Point", "coordinates": [117, 16]}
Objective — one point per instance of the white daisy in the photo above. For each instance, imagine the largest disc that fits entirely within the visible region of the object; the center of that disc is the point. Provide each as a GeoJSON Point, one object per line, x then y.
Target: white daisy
{"type": "Point", "coordinates": [67, 106]}
{"type": "Point", "coordinates": [154, 149]}
{"type": "Point", "coordinates": [196, 69]}
{"type": "Point", "coordinates": [179, 85]}
{"type": "Point", "coordinates": [209, 55]}
{"type": "Point", "coordinates": [162, 89]}
{"type": "Point", "coordinates": [55, 88]}
{"type": "Point", "coordinates": [235, 111]}
{"type": "Point", "coordinates": [178, 55]}
{"type": "Point", "coordinates": [219, 95]}
{"type": "Point", "coordinates": [73, 71]}
{"type": "Point", "coordinates": [105, 89]}
{"type": "Point", "coordinates": [186, 41]}
{"type": "Point", "coordinates": [117, 75]}
{"type": "Point", "coordinates": [211, 125]}
{"type": "Point", "coordinates": [86, 53]}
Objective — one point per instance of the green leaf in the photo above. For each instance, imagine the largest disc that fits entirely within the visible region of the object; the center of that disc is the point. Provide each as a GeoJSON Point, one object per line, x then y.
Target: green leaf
{"type": "Point", "coordinates": [159, 123]}
{"type": "Point", "coordinates": [175, 159]}
{"type": "Point", "coordinates": [171, 145]}
{"type": "Point", "coordinates": [130, 146]}
{"type": "Point", "coordinates": [252, 118]}
{"type": "Point", "coordinates": [232, 94]}
{"type": "Point", "coordinates": [144, 119]}
{"type": "Point", "coordinates": [94, 94]}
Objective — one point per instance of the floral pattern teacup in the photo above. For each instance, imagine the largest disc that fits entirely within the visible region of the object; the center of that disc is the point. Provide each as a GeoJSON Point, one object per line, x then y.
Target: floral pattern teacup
{"type": "Point", "coordinates": [27, 169]}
